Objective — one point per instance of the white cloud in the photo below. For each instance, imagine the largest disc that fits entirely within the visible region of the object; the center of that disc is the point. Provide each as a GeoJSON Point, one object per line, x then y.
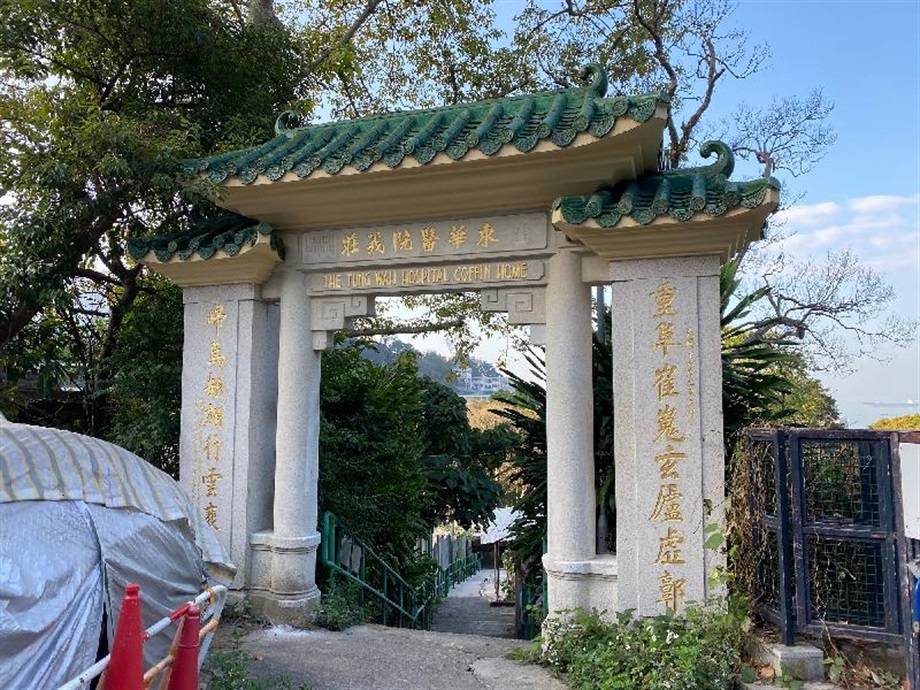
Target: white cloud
{"type": "Point", "coordinates": [883, 204]}
{"type": "Point", "coordinates": [884, 231]}
{"type": "Point", "coordinates": [809, 214]}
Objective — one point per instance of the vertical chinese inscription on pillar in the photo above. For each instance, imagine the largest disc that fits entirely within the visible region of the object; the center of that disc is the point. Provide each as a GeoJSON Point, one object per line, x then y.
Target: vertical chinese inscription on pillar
{"type": "Point", "coordinates": [669, 386]}
{"type": "Point", "coordinates": [209, 408]}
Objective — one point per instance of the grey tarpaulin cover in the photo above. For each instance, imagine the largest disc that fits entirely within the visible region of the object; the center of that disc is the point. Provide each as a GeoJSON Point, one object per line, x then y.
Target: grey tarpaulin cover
{"type": "Point", "coordinates": [79, 519]}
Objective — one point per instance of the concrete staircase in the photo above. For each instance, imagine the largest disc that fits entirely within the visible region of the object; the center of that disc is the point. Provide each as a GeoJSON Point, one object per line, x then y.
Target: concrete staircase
{"type": "Point", "coordinates": [469, 609]}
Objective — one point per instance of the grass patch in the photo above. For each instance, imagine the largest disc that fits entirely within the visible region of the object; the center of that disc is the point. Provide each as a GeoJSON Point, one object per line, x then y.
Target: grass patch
{"type": "Point", "coordinates": [229, 671]}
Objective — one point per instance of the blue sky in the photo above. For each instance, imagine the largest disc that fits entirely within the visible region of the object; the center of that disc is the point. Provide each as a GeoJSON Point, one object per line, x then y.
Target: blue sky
{"type": "Point", "coordinates": [865, 194]}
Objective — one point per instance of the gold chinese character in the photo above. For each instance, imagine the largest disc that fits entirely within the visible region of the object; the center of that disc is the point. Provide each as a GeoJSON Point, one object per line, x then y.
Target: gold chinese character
{"type": "Point", "coordinates": [214, 386]}
{"type": "Point", "coordinates": [210, 514]}
{"type": "Point", "coordinates": [664, 299]}
{"type": "Point", "coordinates": [667, 425]}
{"type": "Point", "coordinates": [668, 462]}
{"type": "Point", "coordinates": [214, 415]}
{"type": "Point", "coordinates": [212, 448]}
{"type": "Point", "coordinates": [666, 339]}
{"type": "Point", "coordinates": [429, 239]}
{"type": "Point", "coordinates": [664, 381]}
{"type": "Point", "coordinates": [486, 236]}
{"type": "Point", "coordinates": [402, 241]}
{"type": "Point", "coordinates": [216, 359]}
{"type": "Point", "coordinates": [691, 339]}
{"type": "Point", "coordinates": [375, 243]}
{"type": "Point", "coordinates": [457, 236]}
{"type": "Point", "coordinates": [669, 548]}
{"type": "Point", "coordinates": [667, 504]}
{"type": "Point", "coordinates": [350, 244]}
{"type": "Point", "coordinates": [210, 481]}
{"type": "Point", "coordinates": [672, 591]}
{"type": "Point", "coordinates": [216, 317]}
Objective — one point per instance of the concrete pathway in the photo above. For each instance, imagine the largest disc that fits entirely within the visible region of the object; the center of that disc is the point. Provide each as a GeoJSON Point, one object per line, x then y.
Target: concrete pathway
{"type": "Point", "coordinates": [468, 609]}
{"type": "Point", "coordinates": [374, 657]}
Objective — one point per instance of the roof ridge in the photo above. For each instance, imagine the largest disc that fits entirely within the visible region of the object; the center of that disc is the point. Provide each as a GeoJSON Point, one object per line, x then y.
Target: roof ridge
{"type": "Point", "coordinates": [680, 193]}
{"type": "Point", "coordinates": [594, 76]}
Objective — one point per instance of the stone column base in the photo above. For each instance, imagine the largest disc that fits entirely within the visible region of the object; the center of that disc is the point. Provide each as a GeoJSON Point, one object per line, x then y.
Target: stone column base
{"type": "Point", "coordinates": [278, 608]}
{"type": "Point", "coordinates": [282, 578]}
{"type": "Point", "coordinates": [582, 584]}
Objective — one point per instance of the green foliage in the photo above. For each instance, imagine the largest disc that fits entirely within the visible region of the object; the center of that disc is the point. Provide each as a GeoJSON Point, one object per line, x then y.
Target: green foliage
{"type": "Point", "coordinates": [397, 455]}
{"type": "Point", "coordinates": [700, 649]}
{"type": "Point", "coordinates": [340, 607]}
{"type": "Point", "coordinates": [146, 387]}
{"type": "Point", "coordinates": [907, 422]}
{"type": "Point", "coordinates": [228, 671]}
{"type": "Point", "coordinates": [460, 461]}
{"type": "Point", "coordinates": [808, 403]}
{"type": "Point", "coordinates": [786, 679]}
{"type": "Point", "coordinates": [528, 418]}
{"type": "Point", "coordinates": [752, 386]}
{"type": "Point", "coordinates": [371, 475]}
{"type": "Point", "coordinates": [100, 101]}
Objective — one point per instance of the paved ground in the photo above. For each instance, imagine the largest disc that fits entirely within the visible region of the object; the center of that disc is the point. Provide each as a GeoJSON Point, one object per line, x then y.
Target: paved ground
{"type": "Point", "coordinates": [375, 657]}
{"type": "Point", "coordinates": [468, 609]}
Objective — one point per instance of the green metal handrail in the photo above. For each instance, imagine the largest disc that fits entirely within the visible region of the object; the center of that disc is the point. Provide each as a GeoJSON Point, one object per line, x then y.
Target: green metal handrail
{"type": "Point", "coordinates": [403, 605]}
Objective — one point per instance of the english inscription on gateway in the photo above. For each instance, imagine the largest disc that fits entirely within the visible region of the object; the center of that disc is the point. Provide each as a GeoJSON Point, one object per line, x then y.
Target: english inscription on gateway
{"type": "Point", "coordinates": [433, 277]}
{"type": "Point", "coordinates": [467, 238]}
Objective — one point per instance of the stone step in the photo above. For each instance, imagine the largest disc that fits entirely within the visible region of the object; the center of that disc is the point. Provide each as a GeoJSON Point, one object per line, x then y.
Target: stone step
{"type": "Point", "coordinates": [801, 661]}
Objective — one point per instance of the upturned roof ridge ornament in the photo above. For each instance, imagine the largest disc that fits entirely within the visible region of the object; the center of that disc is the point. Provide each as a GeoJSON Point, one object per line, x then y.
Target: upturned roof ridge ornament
{"type": "Point", "coordinates": [288, 120]}
{"type": "Point", "coordinates": [724, 165]}
{"type": "Point", "coordinates": [595, 78]}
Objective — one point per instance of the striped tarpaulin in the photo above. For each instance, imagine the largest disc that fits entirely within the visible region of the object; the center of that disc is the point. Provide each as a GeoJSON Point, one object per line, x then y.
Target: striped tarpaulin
{"type": "Point", "coordinates": [42, 464]}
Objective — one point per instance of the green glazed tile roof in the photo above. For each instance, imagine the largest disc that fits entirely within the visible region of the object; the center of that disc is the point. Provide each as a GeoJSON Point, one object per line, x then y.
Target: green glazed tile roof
{"type": "Point", "coordinates": [228, 232]}
{"type": "Point", "coordinates": [485, 126]}
{"type": "Point", "coordinates": [679, 193]}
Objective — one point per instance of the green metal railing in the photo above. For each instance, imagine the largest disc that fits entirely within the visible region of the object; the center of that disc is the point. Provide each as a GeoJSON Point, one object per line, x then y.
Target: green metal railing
{"type": "Point", "coordinates": [457, 571]}
{"type": "Point", "coordinates": [533, 596]}
{"type": "Point", "coordinates": [402, 604]}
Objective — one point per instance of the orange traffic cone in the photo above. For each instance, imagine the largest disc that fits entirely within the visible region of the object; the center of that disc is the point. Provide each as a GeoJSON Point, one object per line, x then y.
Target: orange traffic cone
{"type": "Point", "coordinates": [185, 668]}
{"type": "Point", "coordinates": [126, 667]}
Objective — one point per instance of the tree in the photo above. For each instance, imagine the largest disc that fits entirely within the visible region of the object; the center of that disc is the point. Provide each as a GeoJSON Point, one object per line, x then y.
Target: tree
{"type": "Point", "coordinates": [836, 309]}
{"type": "Point", "coordinates": [371, 450]}
{"type": "Point", "coordinates": [98, 103]}
{"type": "Point", "coordinates": [146, 387]}
{"type": "Point", "coordinates": [397, 454]}
{"type": "Point", "coordinates": [808, 403]}
{"type": "Point", "coordinates": [907, 422]}
{"type": "Point", "coordinates": [461, 462]}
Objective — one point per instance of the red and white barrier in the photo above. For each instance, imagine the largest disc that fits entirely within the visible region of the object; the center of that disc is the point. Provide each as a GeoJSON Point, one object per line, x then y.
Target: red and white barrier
{"type": "Point", "coordinates": [178, 670]}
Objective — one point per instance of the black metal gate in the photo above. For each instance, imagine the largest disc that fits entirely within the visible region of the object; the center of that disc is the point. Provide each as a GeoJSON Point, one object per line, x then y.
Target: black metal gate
{"type": "Point", "coordinates": [832, 553]}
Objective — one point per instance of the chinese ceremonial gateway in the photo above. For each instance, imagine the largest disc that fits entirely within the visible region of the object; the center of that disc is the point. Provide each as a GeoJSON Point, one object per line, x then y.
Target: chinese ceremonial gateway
{"type": "Point", "coordinates": [528, 200]}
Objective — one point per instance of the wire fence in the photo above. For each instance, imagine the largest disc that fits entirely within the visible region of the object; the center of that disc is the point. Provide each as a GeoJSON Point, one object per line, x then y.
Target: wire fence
{"type": "Point", "coordinates": [815, 517]}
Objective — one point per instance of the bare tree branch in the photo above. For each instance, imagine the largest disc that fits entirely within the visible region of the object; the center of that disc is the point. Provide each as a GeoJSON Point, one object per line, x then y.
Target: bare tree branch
{"type": "Point", "coordinates": [403, 329]}
{"type": "Point", "coordinates": [349, 34]}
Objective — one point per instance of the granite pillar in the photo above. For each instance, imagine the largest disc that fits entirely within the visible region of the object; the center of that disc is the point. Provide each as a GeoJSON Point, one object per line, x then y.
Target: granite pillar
{"type": "Point", "coordinates": [668, 440]}
{"type": "Point", "coordinates": [229, 390]}
{"type": "Point", "coordinates": [292, 591]}
{"type": "Point", "coordinates": [577, 578]}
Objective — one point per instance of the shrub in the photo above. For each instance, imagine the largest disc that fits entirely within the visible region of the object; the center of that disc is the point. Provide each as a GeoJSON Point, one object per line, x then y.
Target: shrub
{"type": "Point", "coordinates": [340, 607]}
{"type": "Point", "coordinates": [698, 650]}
